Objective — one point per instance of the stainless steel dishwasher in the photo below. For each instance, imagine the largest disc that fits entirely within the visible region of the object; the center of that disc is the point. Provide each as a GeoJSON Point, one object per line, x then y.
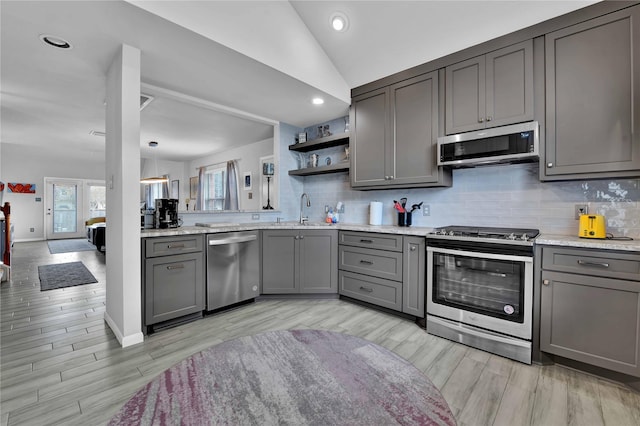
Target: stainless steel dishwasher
{"type": "Point", "coordinates": [233, 268]}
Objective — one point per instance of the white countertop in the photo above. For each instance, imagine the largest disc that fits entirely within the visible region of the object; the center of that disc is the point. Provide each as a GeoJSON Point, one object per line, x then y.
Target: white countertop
{"type": "Point", "coordinates": [222, 227]}
{"type": "Point", "coordinates": [572, 241]}
{"type": "Point", "coordinates": [421, 231]}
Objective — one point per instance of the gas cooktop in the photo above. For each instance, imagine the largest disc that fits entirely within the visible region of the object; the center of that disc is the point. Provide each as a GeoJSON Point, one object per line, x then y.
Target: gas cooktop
{"type": "Point", "coordinates": [485, 233]}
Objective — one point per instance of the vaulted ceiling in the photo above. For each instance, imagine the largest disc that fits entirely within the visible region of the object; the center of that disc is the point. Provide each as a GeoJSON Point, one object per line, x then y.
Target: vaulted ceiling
{"type": "Point", "coordinates": [265, 58]}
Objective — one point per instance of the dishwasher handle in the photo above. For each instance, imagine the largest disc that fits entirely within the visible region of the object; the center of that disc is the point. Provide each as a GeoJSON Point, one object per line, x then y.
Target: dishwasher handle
{"type": "Point", "coordinates": [233, 240]}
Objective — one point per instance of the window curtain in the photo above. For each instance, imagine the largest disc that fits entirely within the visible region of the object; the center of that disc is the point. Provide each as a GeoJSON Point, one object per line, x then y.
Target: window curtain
{"type": "Point", "coordinates": [200, 196]}
{"type": "Point", "coordinates": [231, 190]}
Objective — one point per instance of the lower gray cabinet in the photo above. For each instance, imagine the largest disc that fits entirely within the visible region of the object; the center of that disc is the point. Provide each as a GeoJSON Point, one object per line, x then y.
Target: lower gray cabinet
{"type": "Point", "coordinates": [390, 275]}
{"type": "Point", "coordinates": [413, 281]}
{"type": "Point", "coordinates": [174, 284]}
{"type": "Point", "coordinates": [588, 315]}
{"type": "Point", "coordinates": [299, 261]}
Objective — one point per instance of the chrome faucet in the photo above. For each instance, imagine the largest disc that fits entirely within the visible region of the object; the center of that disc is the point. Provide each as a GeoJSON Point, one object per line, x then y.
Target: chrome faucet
{"type": "Point", "coordinates": [304, 219]}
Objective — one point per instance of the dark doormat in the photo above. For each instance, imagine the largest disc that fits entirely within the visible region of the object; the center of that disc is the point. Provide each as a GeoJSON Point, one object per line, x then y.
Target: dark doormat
{"type": "Point", "coordinates": [67, 246]}
{"type": "Point", "coordinates": [61, 275]}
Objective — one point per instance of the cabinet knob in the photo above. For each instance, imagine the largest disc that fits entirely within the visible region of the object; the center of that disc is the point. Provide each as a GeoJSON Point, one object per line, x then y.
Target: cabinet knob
{"type": "Point", "coordinates": [413, 248]}
{"type": "Point", "coordinates": [302, 237]}
{"type": "Point", "coordinates": [390, 177]}
{"type": "Point", "coordinates": [549, 165]}
{"type": "Point", "coordinates": [546, 282]}
{"type": "Point", "coordinates": [489, 118]}
{"type": "Point", "coordinates": [297, 237]}
{"type": "Point", "coordinates": [386, 178]}
{"type": "Point", "coordinates": [480, 120]}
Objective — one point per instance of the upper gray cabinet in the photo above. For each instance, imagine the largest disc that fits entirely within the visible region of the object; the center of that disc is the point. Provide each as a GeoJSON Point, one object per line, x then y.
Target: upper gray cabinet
{"type": "Point", "coordinates": [394, 136]}
{"type": "Point", "coordinates": [490, 90]}
{"type": "Point", "coordinates": [592, 99]}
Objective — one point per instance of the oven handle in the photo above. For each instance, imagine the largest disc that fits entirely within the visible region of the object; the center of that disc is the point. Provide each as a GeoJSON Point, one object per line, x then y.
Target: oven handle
{"type": "Point", "coordinates": [477, 332]}
{"type": "Point", "coordinates": [482, 255]}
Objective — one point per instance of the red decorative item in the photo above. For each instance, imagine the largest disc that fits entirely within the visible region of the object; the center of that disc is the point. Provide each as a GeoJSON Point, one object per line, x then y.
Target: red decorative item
{"type": "Point", "coordinates": [22, 188]}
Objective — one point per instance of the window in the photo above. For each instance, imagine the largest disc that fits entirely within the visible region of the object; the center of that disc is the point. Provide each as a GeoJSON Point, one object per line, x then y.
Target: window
{"type": "Point", "coordinates": [213, 189]}
{"type": "Point", "coordinates": [97, 200]}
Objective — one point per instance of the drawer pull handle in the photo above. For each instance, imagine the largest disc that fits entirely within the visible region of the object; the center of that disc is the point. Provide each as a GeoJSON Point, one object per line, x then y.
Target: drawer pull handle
{"type": "Point", "coordinates": [175, 246]}
{"type": "Point", "coordinates": [369, 290]}
{"type": "Point", "coordinates": [172, 267]}
{"type": "Point", "coordinates": [366, 262]}
{"type": "Point", "coordinates": [587, 263]}
{"type": "Point", "coordinates": [362, 240]}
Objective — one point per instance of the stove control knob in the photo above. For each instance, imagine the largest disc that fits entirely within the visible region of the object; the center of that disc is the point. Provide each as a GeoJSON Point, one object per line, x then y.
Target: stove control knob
{"type": "Point", "coordinates": [512, 236]}
{"type": "Point", "coordinates": [524, 237]}
{"type": "Point", "coordinates": [451, 233]}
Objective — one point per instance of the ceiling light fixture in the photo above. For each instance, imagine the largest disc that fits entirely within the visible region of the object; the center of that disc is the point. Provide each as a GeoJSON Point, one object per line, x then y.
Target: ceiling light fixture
{"type": "Point", "coordinates": [55, 41]}
{"type": "Point", "coordinates": [339, 22]}
{"type": "Point", "coordinates": [317, 101]}
{"type": "Point", "coordinates": [156, 179]}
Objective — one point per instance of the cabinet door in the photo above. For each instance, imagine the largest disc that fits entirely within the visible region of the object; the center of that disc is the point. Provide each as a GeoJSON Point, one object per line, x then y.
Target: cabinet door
{"type": "Point", "coordinates": [509, 85]}
{"type": "Point", "coordinates": [592, 98]}
{"type": "Point", "coordinates": [414, 105]}
{"type": "Point", "coordinates": [413, 283]}
{"type": "Point", "coordinates": [279, 271]}
{"type": "Point", "coordinates": [318, 261]}
{"type": "Point", "coordinates": [591, 319]}
{"type": "Point", "coordinates": [371, 130]}
{"type": "Point", "coordinates": [465, 96]}
{"type": "Point", "coordinates": [174, 286]}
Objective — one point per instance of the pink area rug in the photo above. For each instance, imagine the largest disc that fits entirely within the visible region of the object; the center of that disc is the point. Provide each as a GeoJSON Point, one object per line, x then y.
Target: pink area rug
{"type": "Point", "coordinates": [296, 377]}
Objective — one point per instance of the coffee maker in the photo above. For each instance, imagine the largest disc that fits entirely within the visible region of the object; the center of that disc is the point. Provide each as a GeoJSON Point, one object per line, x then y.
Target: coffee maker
{"type": "Point", "coordinates": [166, 213]}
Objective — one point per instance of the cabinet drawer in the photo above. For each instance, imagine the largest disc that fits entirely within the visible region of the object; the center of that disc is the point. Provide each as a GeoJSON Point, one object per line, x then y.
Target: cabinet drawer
{"type": "Point", "coordinates": [371, 240]}
{"type": "Point", "coordinates": [378, 263]}
{"type": "Point", "coordinates": [380, 292]}
{"type": "Point", "coordinates": [592, 262]}
{"type": "Point", "coordinates": [174, 286]}
{"type": "Point", "coordinates": [165, 246]}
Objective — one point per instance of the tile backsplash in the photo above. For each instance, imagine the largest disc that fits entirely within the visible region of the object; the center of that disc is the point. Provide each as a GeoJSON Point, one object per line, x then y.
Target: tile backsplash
{"type": "Point", "coordinates": [503, 195]}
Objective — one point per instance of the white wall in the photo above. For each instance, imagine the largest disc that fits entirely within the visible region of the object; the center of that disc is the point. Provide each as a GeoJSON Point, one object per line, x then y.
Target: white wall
{"type": "Point", "coordinates": [29, 164]}
{"type": "Point", "coordinates": [248, 157]}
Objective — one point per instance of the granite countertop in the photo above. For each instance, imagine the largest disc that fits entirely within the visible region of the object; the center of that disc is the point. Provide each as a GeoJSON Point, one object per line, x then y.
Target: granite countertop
{"type": "Point", "coordinates": [420, 231]}
{"type": "Point", "coordinates": [572, 241]}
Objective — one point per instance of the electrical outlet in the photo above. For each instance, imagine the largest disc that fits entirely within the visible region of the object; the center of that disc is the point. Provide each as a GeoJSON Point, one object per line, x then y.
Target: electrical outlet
{"type": "Point", "coordinates": [426, 210]}
{"type": "Point", "coordinates": [32, 229]}
{"type": "Point", "coordinates": [580, 209]}
{"type": "Point", "coordinates": [255, 216]}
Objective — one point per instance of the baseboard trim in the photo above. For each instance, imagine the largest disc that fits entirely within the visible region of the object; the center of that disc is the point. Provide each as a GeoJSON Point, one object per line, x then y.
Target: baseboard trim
{"type": "Point", "coordinates": [124, 341]}
{"type": "Point", "coordinates": [27, 240]}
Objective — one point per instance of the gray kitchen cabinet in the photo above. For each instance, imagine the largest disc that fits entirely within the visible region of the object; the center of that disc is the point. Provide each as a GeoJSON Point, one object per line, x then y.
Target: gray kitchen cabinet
{"type": "Point", "coordinates": [413, 276]}
{"type": "Point", "coordinates": [590, 307]}
{"type": "Point", "coordinates": [299, 261]}
{"type": "Point", "coordinates": [490, 90]}
{"type": "Point", "coordinates": [592, 99]}
{"type": "Point", "coordinates": [173, 277]}
{"type": "Point", "coordinates": [394, 136]}
{"type": "Point", "coordinates": [383, 269]}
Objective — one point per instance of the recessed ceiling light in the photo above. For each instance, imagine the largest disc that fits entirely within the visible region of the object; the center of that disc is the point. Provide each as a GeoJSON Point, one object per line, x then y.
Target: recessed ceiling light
{"type": "Point", "coordinates": [317, 101]}
{"type": "Point", "coordinates": [153, 144]}
{"type": "Point", "coordinates": [55, 41]}
{"type": "Point", "coordinates": [339, 22]}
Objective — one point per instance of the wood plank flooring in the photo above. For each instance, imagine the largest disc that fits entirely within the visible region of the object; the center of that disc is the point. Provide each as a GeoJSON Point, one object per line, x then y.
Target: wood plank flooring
{"type": "Point", "coordinates": [61, 364]}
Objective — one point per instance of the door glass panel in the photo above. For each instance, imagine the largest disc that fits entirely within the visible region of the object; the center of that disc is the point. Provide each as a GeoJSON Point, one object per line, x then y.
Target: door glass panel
{"type": "Point", "coordinates": [65, 208]}
{"type": "Point", "coordinates": [487, 286]}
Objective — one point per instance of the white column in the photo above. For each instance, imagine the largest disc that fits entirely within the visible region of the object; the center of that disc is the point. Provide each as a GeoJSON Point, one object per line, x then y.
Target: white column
{"type": "Point", "coordinates": [124, 300]}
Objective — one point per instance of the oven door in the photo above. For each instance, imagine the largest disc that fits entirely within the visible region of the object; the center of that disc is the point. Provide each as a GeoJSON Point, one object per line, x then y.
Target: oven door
{"type": "Point", "coordinates": [486, 290]}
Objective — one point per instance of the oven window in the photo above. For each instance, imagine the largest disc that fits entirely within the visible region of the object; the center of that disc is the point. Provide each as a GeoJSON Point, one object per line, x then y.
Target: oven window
{"type": "Point", "coordinates": [486, 286]}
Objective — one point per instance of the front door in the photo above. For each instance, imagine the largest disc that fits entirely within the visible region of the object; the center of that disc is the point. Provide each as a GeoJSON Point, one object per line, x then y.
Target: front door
{"type": "Point", "coordinates": [64, 218]}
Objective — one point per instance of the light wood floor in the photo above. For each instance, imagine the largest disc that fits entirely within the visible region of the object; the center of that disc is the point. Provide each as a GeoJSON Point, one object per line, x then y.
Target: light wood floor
{"type": "Point", "coordinates": [60, 363]}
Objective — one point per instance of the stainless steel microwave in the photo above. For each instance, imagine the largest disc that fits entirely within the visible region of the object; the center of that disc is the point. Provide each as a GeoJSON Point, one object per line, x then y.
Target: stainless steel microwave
{"type": "Point", "coordinates": [515, 143]}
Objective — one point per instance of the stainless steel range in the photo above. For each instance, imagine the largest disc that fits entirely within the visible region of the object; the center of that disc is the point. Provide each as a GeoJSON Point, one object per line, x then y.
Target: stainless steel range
{"type": "Point", "coordinates": [480, 288]}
